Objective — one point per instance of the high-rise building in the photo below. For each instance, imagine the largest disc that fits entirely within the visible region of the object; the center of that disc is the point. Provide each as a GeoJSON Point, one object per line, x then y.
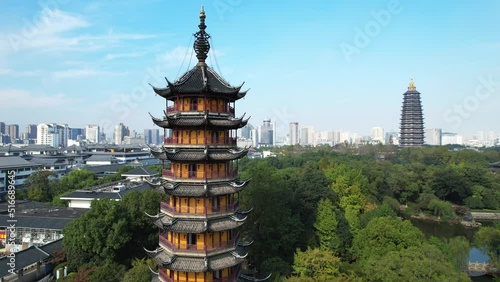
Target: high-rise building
{"type": "Point", "coordinates": [294, 133]}
{"type": "Point", "coordinates": [433, 136]}
{"type": "Point", "coordinates": [246, 131]}
{"type": "Point", "coordinates": [411, 130]}
{"type": "Point", "coordinates": [31, 130]}
{"type": "Point", "coordinates": [13, 131]}
{"type": "Point", "coordinates": [198, 238]}
{"type": "Point", "coordinates": [2, 128]}
{"type": "Point", "coordinates": [55, 135]}
{"type": "Point", "coordinates": [77, 133]}
{"type": "Point", "coordinates": [152, 136]}
{"type": "Point", "coordinates": [378, 135]}
{"type": "Point", "coordinates": [120, 131]}
{"type": "Point", "coordinates": [93, 133]}
{"type": "Point", "coordinates": [266, 133]}
{"type": "Point", "coordinates": [306, 135]}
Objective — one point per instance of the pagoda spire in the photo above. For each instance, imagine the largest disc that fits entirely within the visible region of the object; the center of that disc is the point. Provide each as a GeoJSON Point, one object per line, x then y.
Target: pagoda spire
{"type": "Point", "coordinates": [412, 87]}
{"type": "Point", "coordinates": [201, 45]}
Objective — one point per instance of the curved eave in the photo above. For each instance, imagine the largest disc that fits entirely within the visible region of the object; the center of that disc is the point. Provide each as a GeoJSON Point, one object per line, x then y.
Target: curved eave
{"type": "Point", "coordinates": [160, 122]}
{"type": "Point", "coordinates": [163, 92]}
{"type": "Point", "coordinates": [203, 154]}
{"type": "Point", "coordinates": [167, 223]}
{"type": "Point", "coordinates": [161, 155]}
{"type": "Point", "coordinates": [161, 256]}
{"type": "Point", "coordinates": [182, 189]}
{"type": "Point", "coordinates": [246, 278]}
{"type": "Point", "coordinates": [199, 264]}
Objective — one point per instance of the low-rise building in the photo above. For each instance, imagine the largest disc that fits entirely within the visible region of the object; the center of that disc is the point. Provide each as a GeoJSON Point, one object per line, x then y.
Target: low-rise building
{"type": "Point", "coordinates": [115, 190]}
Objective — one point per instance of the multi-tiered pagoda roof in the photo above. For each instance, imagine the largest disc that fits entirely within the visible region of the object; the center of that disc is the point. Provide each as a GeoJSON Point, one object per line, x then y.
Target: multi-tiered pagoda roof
{"type": "Point", "coordinates": [412, 121]}
{"type": "Point", "coordinates": [199, 238]}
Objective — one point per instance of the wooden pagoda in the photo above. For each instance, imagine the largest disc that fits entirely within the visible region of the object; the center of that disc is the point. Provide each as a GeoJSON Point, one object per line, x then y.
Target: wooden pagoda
{"type": "Point", "coordinates": [412, 122]}
{"type": "Point", "coordinates": [198, 240]}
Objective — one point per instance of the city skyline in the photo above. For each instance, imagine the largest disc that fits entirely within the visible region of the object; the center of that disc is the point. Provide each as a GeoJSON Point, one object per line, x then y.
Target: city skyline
{"type": "Point", "coordinates": [320, 65]}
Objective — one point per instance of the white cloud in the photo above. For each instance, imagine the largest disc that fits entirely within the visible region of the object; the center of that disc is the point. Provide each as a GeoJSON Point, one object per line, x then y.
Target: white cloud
{"type": "Point", "coordinates": [81, 73]}
{"type": "Point", "coordinates": [53, 30]}
{"type": "Point", "coordinates": [16, 99]}
{"type": "Point", "coordinates": [123, 55]}
{"type": "Point", "coordinates": [175, 57]}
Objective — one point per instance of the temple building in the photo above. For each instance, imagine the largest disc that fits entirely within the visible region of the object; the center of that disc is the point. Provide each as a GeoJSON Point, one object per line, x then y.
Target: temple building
{"type": "Point", "coordinates": [411, 130]}
{"type": "Point", "coordinates": [198, 240]}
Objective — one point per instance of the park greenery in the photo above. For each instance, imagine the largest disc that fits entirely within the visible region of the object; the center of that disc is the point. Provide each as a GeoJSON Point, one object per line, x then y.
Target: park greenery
{"type": "Point", "coordinates": [319, 214]}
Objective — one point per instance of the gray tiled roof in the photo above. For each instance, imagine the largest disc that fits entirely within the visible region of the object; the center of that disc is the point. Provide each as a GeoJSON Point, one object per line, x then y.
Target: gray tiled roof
{"type": "Point", "coordinates": [141, 171]}
{"type": "Point", "coordinates": [53, 223]}
{"type": "Point", "coordinates": [30, 256]}
{"type": "Point", "coordinates": [15, 161]}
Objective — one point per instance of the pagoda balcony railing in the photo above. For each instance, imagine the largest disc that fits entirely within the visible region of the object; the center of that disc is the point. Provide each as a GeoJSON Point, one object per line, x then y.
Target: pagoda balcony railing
{"type": "Point", "coordinates": [200, 175]}
{"type": "Point", "coordinates": [200, 210]}
{"type": "Point", "coordinates": [199, 248]}
{"type": "Point", "coordinates": [194, 108]}
{"type": "Point", "coordinates": [200, 141]}
{"type": "Point", "coordinates": [165, 278]}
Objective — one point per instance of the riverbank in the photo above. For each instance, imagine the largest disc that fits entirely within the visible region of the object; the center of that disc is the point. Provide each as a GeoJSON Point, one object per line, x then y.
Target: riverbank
{"type": "Point", "coordinates": [427, 217]}
{"type": "Point", "coordinates": [486, 215]}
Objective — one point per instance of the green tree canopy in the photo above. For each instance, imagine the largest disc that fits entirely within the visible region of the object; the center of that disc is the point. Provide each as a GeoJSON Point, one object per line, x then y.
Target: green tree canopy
{"type": "Point", "coordinates": [385, 234]}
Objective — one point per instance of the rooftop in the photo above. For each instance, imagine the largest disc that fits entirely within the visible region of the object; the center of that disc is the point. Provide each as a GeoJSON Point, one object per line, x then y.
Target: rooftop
{"type": "Point", "coordinates": [141, 171]}
{"type": "Point", "coordinates": [107, 191]}
{"type": "Point", "coordinates": [30, 256]}
{"type": "Point", "coordinates": [15, 161]}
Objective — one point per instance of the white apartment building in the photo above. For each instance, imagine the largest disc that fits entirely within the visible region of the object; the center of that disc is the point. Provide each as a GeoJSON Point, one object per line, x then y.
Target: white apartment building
{"type": "Point", "coordinates": [55, 135]}
{"type": "Point", "coordinates": [294, 133]}
{"type": "Point", "coordinates": [93, 133]}
{"type": "Point", "coordinates": [433, 136]}
{"type": "Point", "coordinates": [378, 135]}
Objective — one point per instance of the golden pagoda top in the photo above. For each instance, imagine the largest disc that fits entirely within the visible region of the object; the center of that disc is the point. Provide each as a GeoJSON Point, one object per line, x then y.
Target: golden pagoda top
{"type": "Point", "coordinates": [412, 87]}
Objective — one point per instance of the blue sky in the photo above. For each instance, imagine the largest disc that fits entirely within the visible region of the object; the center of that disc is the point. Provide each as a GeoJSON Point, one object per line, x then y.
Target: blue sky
{"type": "Point", "coordinates": [340, 65]}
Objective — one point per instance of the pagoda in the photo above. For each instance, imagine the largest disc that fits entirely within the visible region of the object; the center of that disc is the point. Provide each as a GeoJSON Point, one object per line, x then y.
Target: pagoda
{"type": "Point", "coordinates": [412, 121]}
{"type": "Point", "coordinates": [198, 240]}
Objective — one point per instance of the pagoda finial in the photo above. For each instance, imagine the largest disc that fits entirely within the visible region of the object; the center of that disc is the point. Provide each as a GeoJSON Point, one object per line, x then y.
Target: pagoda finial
{"type": "Point", "coordinates": [412, 85]}
{"type": "Point", "coordinates": [201, 45]}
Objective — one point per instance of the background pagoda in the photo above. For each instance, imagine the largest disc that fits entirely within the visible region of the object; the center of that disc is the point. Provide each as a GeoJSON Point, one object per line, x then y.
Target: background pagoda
{"type": "Point", "coordinates": [412, 121]}
{"type": "Point", "coordinates": [198, 240]}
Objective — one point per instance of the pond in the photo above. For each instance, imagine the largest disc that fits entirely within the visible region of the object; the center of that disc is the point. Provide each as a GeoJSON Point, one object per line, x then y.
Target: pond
{"type": "Point", "coordinates": [447, 230]}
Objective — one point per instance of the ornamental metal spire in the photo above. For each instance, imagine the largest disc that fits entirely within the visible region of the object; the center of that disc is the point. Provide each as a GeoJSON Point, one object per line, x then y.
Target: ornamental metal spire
{"type": "Point", "coordinates": [201, 45]}
{"type": "Point", "coordinates": [412, 87]}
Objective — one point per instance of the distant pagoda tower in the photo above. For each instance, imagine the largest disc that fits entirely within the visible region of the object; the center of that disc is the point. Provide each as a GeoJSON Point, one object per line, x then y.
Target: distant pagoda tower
{"type": "Point", "coordinates": [198, 240]}
{"type": "Point", "coordinates": [412, 121]}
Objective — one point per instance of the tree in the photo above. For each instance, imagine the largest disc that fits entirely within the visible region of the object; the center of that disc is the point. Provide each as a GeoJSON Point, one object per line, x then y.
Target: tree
{"type": "Point", "coordinates": [459, 249]}
{"type": "Point", "coordinates": [40, 185]}
{"type": "Point", "coordinates": [441, 209]}
{"type": "Point", "coordinates": [488, 239]}
{"type": "Point", "coordinates": [321, 265]}
{"type": "Point", "coordinates": [414, 264]}
{"type": "Point", "coordinates": [97, 235]}
{"type": "Point", "coordinates": [326, 226]}
{"type": "Point", "coordinates": [139, 272]}
{"type": "Point", "coordinates": [109, 272]}
{"type": "Point", "coordinates": [385, 234]}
